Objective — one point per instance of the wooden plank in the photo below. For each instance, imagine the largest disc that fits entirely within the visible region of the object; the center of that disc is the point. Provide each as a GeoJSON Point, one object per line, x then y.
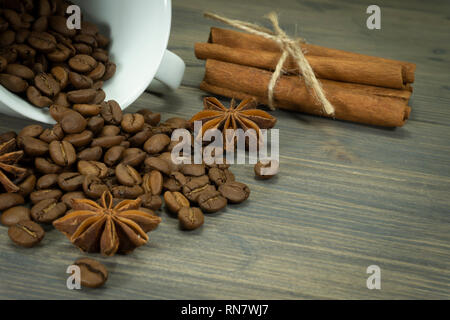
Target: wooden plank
{"type": "Point", "coordinates": [348, 196]}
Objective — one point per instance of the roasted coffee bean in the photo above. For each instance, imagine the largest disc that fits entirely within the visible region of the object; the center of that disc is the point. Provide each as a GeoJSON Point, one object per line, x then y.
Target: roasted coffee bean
{"type": "Point", "coordinates": [73, 122]}
{"type": "Point", "coordinates": [60, 54]}
{"type": "Point", "coordinates": [55, 133]}
{"type": "Point", "coordinates": [42, 41]}
{"type": "Point", "coordinates": [235, 192]}
{"type": "Point", "coordinates": [195, 186]}
{"type": "Point", "coordinates": [82, 63]}
{"type": "Point", "coordinates": [62, 153]}
{"type": "Point", "coordinates": [98, 72]}
{"type": "Point", "coordinates": [45, 8]}
{"type": "Point", "coordinates": [156, 144]}
{"type": "Point", "coordinates": [102, 40]}
{"type": "Point", "coordinates": [13, 83]}
{"type": "Point", "coordinates": [125, 144]}
{"type": "Point", "coordinates": [87, 110]}
{"type": "Point", "coordinates": [59, 24]}
{"type": "Point", "coordinates": [195, 170]}
{"type": "Point", "coordinates": [211, 201]}
{"type": "Point", "coordinates": [139, 138]}
{"type": "Point", "coordinates": [127, 192]}
{"type": "Point", "coordinates": [190, 218]}
{"type": "Point", "coordinates": [180, 178]}
{"type": "Point", "coordinates": [100, 96]}
{"type": "Point", "coordinates": [46, 166]}
{"type": "Point", "coordinates": [107, 141]}
{"type": "Point", "coordinates": [80, 81]}
{"type": "Point", "coordinates": [167, 156]}
{"type": "Point", "coordinates": [113, 155]}
{"type": "Point", "coordinates": [91, 154]}
{"type": "Point", "coordinates": [25, 52]}
{"type": "Point", "coordinates": [48, 210]}
{"type": "Point", "coordinates": [47, 84]}
{"type": "Point", "coordinates": [88, 28]}
{"type": "Point", "coordinates": [100, 55]}
{"type": "Point", "coordinates": [70, 181]}
{"type": "Point", "coordinates": [133, 156]}
{"type": "Point", "coordinates": [127, 175]}
{"type": "Point", "coordinates": [15, 215]}
{"type": "Point", "coordinates": [20, 70]}
{"type": "Point", "coordinates": [6, 136]}
{"type": "Point", "coordinates": [93, 273]}
{"type": "Point", "coordinates": [36, 98]}
{"type": "Point", "coordinates": [95, 168]}
{"type": "Point", "coordinates": [93, 187]}
{"type": "Point", "coordinates": [61, 75]}
{"type": "Point", "coordinates": [220, 176]}
{"type": "Point", "coordinates": [175, 123]}
{"type": "Point", "coordinates": [82, 48]}
{"type": "Point", "coordinates": [171, 184]}
{"type": "Point", "coordinates": [98, 84]}
{"type": "Point", "coordinates": [152, 182]}
{"type": "Point", "coordinates": [151, 118]}
{"type": "Point", "coordinates": [45, 194]}
{"type": "Point", "coordinates": [70, 196]}
{"type": "Point", "coordinates": [110, 130]}
{"type": "Point", "coordinates": [22, 35]}
{"type": "Point", "coordinates": [61, 99]}
{"type": "Point", "coordinates": [58, 112]}
{"type": "Point", "coordinates": [8, 200]}
{"type": "Point", "coordinates": [81, 95]}
{"type": "Point", "coordinates": [175, 201]}
{"type": "Point", "coordinates": [9, 53]}
{"type": "Point", "coordinates": [86, 39]}
{"type": "Point", "coordinates": [95, 124]}
{"type": "Point", "coordinates": [111, 112]}
{"type": "Point", "coordinates": [7, 38]}
{"type": "Point", "coordinates": [80, 139]}
{"type": "Point", "coordinates": [266, 169]}
{"type": "Point", "coordinates": [26, 233]}
{"type": "Point", "coordinates": [132, 122]}
{"type": "Point", "coordinates": [155, 163]}
{"type": "Point", "coordinates": [110, 70]}
{"type": "Point", "coordinates": [3, 63]}
{"type": "Point", "coordinates": [33, 130]}
{"type": "Point", "coordinates": [47, 181]}
{"type": "Point", "coordinates": [34, 147]}
{"type": "Point", "coordinates": [151, 201]}
{"type": "Point", "coordinates": [27, 186]}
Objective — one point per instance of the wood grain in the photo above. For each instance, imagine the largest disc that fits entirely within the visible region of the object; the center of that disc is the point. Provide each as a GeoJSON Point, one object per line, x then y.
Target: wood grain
{"type": "Point", "coordinates": [348, 196]}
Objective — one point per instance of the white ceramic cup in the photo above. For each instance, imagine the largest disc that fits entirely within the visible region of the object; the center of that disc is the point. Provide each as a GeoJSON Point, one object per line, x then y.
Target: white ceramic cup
{"type": "Point", "coordinates": [139, 30]}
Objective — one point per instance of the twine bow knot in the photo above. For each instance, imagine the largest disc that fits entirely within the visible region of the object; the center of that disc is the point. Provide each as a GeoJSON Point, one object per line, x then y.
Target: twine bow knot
{"type": "Point", "coordinates": [289, 47]}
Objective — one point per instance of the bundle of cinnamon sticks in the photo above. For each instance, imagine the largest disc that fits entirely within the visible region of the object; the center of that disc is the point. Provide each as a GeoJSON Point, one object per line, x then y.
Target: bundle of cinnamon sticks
{"type": "Point", "coordinates": [364, 89]}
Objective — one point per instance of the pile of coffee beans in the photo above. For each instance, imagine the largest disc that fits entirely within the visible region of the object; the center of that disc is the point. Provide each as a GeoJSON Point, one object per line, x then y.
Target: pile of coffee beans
{"type": "Point", "coordinates": [98, 148]}
{"type": "Point", "coordinates": [47, 63]}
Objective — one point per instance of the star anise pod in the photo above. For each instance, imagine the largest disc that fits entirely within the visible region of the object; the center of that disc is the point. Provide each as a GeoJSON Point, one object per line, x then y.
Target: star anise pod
{"type": "Point", "coordinates": [244, 116]}
{"type": "Point", "coordinates": [8, 165]}
{"type": "Point", "coordinates": [107, 229]}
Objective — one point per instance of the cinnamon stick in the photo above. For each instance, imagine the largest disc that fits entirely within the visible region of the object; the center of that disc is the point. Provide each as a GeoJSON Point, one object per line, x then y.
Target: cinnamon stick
{"type": "Point", "coordinates": [365, 89]}
{"type": "Point", "coordinates": [290, 93]}
{"type": "Point", "coordinates": [236, 39]}
{"type": "Point", "coordinates": [341, 69]}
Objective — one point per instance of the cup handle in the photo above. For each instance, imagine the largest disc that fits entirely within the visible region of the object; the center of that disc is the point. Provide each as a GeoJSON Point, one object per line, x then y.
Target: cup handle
{"type": "Point", "coordinates": [169, 75]}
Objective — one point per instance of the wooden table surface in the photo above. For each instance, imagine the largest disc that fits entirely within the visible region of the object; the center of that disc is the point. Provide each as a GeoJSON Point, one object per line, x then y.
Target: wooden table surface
{"type": "Point", "coordinates": [348, 195]}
